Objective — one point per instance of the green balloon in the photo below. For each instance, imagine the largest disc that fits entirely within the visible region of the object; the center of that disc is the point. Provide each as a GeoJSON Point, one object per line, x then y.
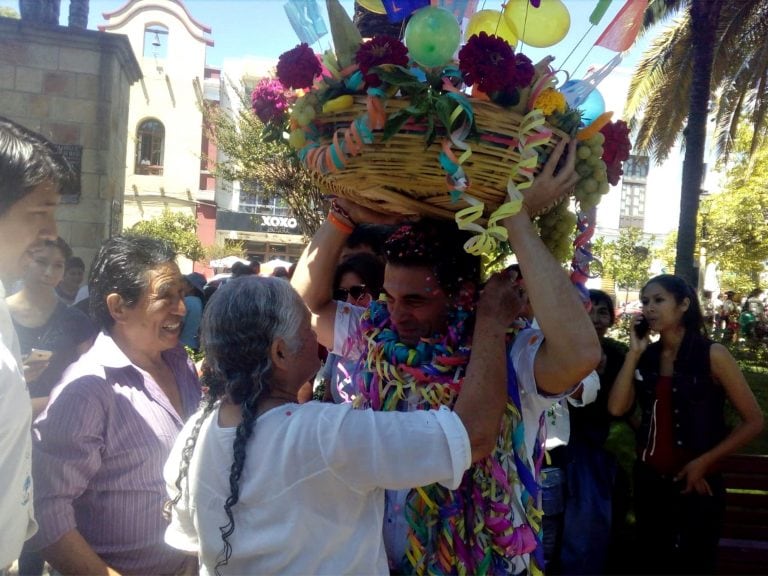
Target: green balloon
{"type": "Point", "coordinates": [432, 36]}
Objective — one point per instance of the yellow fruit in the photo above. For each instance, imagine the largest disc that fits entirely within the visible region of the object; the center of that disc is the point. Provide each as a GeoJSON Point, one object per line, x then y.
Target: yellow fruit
{"type": "Point", "coordinates": [594, 128]}
{"type": "Point", "coordinates": [338, 104]}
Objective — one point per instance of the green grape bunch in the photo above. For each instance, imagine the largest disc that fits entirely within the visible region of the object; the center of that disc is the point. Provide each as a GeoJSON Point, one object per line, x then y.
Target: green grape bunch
{"type": "Point", "coordinates": [593, 172]}
{"type": "Point", "coordinates": [557, 228]}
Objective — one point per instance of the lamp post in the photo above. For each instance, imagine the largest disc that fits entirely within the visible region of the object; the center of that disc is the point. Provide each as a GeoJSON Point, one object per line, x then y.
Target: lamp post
{"type": "Point", "coordinates": [704, 208]}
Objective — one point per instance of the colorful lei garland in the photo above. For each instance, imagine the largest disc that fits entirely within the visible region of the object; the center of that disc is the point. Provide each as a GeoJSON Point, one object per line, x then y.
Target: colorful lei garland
{"type": "Point", "coordinates": [469, 530]}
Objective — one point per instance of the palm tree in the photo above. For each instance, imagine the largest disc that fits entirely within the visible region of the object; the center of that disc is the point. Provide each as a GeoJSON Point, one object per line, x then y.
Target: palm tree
{"type": "Point", "coordinates": [715, 48]}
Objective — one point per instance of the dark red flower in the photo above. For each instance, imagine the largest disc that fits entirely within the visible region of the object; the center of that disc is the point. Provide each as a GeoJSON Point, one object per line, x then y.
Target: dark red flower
{"type": "Point", "coordinates": [298, 67]}
{"type": "Point", "coordinates": [615, 148]}
{"type": "Point", "coordinates": [269, 101]}
{"type": "Point", "coordinates": [490, 62]}
{"type": "Point", "coordinates": [377, 51]}
{"type": "Point", "coordinates": [524, 71]}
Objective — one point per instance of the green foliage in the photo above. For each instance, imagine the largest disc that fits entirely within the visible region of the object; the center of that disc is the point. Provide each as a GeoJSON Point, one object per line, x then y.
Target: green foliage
{"type": "Point", "coordinates": [628, 259]}
{"type": "Point", "coordinates": [8, 12]}
{"type": "Point", "coordinates": [667, 253]}
{"type": "Point", "coordinates": [177, 228]}
{"type": "Point", "coordinates": [734, 223]}
{"type": "Point", "coordinates": [252, 156]}
{"type": "Point", "coordinates": [222, 250]}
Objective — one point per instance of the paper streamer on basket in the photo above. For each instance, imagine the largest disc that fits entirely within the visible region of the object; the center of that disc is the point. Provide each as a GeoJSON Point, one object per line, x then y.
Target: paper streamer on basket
{"type": "Point", "coordinates": [582, 256]}
{"type": "Point", "coordinates": [332, 157]}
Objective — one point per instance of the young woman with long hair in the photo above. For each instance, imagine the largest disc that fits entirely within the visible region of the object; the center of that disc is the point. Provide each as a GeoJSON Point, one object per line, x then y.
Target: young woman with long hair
{"type": "Point", "coordinates": [680, 383]}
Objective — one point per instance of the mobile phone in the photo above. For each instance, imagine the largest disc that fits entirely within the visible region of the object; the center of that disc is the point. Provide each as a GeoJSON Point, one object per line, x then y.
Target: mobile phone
{"type": "Point", "coordinates": [36, 355]}
{"type": "Point", "coordinates": [641, 327]}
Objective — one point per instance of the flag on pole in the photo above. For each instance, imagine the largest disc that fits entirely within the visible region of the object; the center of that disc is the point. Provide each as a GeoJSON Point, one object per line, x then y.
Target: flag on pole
{"type": "Point", "coordinates": [306, 20]}
{"type": "Point", "coordinates": [620, 34]}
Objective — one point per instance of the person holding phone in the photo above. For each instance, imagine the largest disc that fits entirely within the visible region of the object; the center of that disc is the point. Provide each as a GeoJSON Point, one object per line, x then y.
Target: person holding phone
{"type": "Point", "coordinates": [58, 333]}
{"type": "Point", "coordinates": [680, 383]}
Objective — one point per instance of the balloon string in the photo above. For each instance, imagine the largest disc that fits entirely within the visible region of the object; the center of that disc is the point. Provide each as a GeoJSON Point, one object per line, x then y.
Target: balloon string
{"type": "Point", "coordinates": [582, 60]}
{"type": "Point", "coordinates": [576, 47]}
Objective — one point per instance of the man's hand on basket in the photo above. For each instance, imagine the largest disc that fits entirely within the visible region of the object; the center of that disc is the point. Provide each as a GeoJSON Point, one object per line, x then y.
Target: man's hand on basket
{"type": "Point", "coordinates": [548, 186]}
{"type": "Point", "coordinates": [362, 215]}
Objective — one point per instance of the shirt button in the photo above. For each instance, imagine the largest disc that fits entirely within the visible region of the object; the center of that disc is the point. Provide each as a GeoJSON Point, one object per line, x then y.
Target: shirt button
{"type": "Point", "coordinates": [679, 442]}
{"type": "Point", "coordinates": [674, 389]}
{"type": "Point", "coordinates": [676, 411]}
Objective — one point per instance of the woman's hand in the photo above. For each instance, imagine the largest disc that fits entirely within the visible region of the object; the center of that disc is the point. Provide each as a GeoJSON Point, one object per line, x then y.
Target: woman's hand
{"type": "Point", "coordinates": [503, 299]}
{"type": "Point", "coordinates": [549, 187]}
{"type": "Point", "coordinates": [638, 344]}
{"type": "Point", "coordinates": [33, 369]}
{"type": "Point", "coordinates": [693, 477]}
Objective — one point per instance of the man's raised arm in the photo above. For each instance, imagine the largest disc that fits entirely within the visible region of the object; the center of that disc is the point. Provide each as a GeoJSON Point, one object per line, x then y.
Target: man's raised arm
{"type": "Point", "coordinates": [571, 348]}
{"type": "Point", "coordinates": [313, 275]}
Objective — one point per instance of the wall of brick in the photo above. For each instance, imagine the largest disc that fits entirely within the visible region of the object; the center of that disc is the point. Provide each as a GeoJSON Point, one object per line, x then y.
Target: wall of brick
{"type": "Point", "coordinates": [73, 87]}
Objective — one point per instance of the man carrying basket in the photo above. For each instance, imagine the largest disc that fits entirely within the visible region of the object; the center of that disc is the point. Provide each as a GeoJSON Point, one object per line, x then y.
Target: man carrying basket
{"type": "Point", "coordinates": [412, 349]}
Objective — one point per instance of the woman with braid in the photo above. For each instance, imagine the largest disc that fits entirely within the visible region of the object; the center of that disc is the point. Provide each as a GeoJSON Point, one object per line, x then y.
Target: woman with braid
{"type": "Point", "coordinates": [263, 485]}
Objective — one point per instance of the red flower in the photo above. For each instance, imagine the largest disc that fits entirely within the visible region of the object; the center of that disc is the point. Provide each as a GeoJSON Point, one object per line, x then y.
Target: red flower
{"type": "Point", "coordinates": [377, 51]}
{"type": "Point", "coordinates": [489, 62]}
{"type": "Point", "coordinates": [298, 67]}
{"type": "Point", "coordinates": [269, 101]}
{"type": "Point", "coordinates": [615, 148]}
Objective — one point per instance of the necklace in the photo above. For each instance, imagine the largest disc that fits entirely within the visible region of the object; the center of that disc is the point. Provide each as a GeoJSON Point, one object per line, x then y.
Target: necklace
{"type": "Point", "coordinates": [494, 516]}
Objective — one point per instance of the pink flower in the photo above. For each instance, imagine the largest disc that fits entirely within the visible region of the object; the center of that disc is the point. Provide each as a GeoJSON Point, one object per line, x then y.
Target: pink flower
{"type": "Point", "coordinates": [377, 51]}
{"type": "Point", "coordinates": [298, 67]}
{"type": "Point", "coordinates": [269, 101]}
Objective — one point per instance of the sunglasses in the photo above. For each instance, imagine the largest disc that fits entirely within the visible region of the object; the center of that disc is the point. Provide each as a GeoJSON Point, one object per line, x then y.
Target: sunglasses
{"type": "Point", "coordinates": [355, 291]}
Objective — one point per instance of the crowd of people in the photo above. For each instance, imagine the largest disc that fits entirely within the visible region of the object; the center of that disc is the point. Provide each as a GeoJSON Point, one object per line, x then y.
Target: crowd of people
{"type": "Point", "coordinates": [380, 408]}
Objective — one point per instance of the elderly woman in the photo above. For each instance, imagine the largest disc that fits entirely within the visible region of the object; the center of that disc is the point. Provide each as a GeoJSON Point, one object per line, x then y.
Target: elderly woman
{"type": "Point", "coordinates": [100, 445]}
{"type": "Point", "coordinates": [263, 485]}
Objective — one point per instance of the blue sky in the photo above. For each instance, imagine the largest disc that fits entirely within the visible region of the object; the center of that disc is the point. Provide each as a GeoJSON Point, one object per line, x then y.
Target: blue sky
{"type": "Point", "coordinates": [261, 28]}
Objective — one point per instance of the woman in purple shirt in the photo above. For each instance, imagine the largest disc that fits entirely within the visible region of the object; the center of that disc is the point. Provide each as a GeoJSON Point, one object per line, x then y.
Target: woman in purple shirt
{"type": "Point", "coordinates": [100, 445]}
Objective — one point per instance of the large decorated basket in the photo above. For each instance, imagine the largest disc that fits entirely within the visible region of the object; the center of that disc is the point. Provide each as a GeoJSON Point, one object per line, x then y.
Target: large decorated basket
{"type": "Point", "coordinates": [427, 130]}
{"type": "Point", "coordinates": [403, 174]}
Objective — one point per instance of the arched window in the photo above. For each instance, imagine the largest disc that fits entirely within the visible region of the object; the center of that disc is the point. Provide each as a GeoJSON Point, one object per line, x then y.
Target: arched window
{"type": "Point", "coordinates": [155, 41]}
{"type": "Point", "coordinates": [150, 139]}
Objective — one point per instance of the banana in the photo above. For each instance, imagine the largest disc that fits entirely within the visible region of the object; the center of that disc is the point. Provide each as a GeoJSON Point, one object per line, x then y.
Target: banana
{"type": "Point", "coordinates": [338, 104]}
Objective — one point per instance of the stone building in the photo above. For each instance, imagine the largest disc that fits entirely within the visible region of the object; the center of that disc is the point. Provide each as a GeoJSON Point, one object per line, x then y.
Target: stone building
{"type": "Point", "coordinates": [72, 86]}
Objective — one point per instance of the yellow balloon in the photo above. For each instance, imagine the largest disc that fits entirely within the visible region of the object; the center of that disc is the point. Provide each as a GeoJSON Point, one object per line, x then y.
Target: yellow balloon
{"type": "Point", "coordinates": [490, 22]}
{"type": "Point", "coordinates": [539, 27]}
{"type": "Point", "coordinates": [374, 6]}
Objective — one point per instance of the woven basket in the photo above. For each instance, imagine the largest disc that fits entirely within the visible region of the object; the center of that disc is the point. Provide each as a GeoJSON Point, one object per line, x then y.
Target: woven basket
{"type": "Point", "coordinates": [402, 176]}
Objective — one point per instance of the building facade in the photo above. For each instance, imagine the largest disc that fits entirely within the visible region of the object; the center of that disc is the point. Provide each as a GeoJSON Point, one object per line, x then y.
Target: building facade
{"type": "Point", "coordinates": [264, 225]}
{"type": "Point", "coordinates": [166, 164]}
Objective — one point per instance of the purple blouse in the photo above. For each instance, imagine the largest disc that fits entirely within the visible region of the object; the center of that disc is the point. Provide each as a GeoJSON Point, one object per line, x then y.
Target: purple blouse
{"type": "Point", "coordinates": [98, 455]}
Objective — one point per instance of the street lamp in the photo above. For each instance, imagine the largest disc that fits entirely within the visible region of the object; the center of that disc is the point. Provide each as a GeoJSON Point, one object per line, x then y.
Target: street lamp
{"type": "Point", "coordinates": [704, 208]}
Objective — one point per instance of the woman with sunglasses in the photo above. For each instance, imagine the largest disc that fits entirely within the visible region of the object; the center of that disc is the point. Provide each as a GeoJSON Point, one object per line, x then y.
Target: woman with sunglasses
{"type": "Point", "coordinates": [357, 281]}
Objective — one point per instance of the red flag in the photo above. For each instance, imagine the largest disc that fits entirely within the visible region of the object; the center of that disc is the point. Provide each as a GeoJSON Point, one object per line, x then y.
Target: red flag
{"type": "Point", "coordinates": [622, 31]}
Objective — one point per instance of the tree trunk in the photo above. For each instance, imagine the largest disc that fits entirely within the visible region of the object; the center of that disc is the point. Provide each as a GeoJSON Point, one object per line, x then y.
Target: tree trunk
{"type": "Point", "coordinates": [704, 18]}
{"type": "Point", "coordinates": [78, 14]}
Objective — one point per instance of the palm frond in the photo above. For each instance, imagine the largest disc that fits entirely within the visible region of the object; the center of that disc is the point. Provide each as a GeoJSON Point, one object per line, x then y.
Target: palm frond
{"type": "Point", "coordinates": [657, 102]}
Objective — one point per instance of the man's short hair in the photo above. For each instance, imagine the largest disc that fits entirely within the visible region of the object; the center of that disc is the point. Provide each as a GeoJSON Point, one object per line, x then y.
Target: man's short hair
{"type": "Point", "coordinates": [435, 244]}
{"type": "Point", "coordinates": [122, 267]}
{"type": "Point", "coordinates": [74, 262]}
{"type": "Point", "coordinates": [26, 161]}
{"type": "Point", "coordinates": [241, 269]}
